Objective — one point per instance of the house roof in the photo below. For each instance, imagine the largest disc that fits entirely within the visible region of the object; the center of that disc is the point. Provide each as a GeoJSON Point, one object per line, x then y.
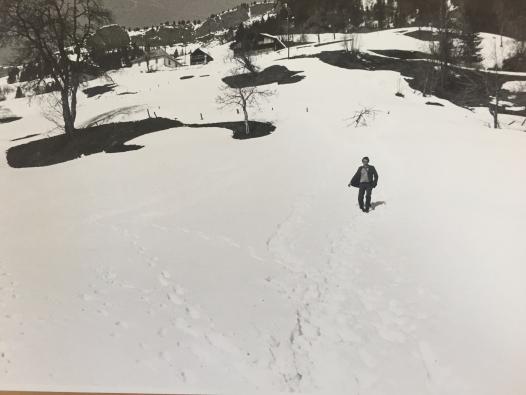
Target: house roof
{"type": "Point", "coordinates": [270, 36]}
{"type": "Point", "coordinates": [199, 51]}
{"type": "Point", "coordinates": [157, 53]}
{"type": "Point", "coordinates": [275, 38]}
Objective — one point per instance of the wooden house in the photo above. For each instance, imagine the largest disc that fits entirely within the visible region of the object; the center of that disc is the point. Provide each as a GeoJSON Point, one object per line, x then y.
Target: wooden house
{"type": "Point", "coordinates": [268, 41]}
{"type": "Point", "coordinates": [264, 43]}
{"type": "Point", "coordinates": [200, 57]}
{"type": "Point", "coordinates": [157, 59]}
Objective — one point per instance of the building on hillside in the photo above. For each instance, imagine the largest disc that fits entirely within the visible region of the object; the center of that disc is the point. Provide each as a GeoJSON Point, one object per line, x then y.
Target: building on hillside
{"type": "Point", "coordinates": [268, 41]}
{"type": "Point", "coordinates": [264, 43]}
{"type": "Point", "coordinates": [200, 57]}
{"type": "Point", "coordinates": [155, 60]}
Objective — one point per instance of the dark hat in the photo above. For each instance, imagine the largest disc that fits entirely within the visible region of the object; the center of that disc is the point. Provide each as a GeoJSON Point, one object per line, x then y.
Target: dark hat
{"type": "Point", "coordinates": [365, 158]}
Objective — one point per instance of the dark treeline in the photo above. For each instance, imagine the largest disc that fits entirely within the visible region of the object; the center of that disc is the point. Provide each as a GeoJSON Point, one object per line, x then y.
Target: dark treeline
{"type": "Point", "coordinates": [506, 17]}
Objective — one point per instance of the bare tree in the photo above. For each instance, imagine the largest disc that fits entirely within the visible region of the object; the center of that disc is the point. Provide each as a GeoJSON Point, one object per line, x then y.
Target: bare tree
{"type": "Point", "coordinates": [243, 98]}
{"type": "Point", "coordinates": [494, 82]}
{"type": "Point", "coordinates": [239, 94]}
{"type": "Point", "coordinates": [503, 15]}
{"type": "Point", "coordinates": [245, 58]}
{"type": "Point", "coordinates": [53, 34]}
{"type": "Point", "coordinates": [147, 55]}
{"type": "Point", "coordinates": [444, 50]}
{"type": "Point", "coordinates": [352, 44]}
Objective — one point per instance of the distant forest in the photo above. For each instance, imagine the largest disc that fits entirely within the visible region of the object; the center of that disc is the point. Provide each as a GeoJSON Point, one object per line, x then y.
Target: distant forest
{"type": "Point", "coordinates": [506, 17]}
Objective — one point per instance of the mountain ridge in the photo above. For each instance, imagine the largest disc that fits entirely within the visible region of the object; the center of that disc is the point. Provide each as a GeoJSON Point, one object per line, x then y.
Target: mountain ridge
{"type": "Point", "coordinates": [136, 13]}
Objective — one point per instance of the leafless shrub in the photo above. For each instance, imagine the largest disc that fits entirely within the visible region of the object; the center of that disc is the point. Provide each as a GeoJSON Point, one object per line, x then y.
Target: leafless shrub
{"type": "Point", "coordinates": [362, 117]}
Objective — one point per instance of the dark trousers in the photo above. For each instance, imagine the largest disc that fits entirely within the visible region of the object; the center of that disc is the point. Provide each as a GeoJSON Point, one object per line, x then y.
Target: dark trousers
{"type": "Point", "coordinates": [366, 188]}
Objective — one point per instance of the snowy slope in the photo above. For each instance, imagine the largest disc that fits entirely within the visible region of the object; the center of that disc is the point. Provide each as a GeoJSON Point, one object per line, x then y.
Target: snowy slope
{"type": "Point", "coordinates": [205, 264]}
{"type": "Point", "coordinates": [494, 49]}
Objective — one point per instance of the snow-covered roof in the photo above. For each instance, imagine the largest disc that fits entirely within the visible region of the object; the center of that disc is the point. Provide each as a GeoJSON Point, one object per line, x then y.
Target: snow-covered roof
{"type": "Point", "coordinates": [201, 50]}
{"type": "Point", "coordinates": [110, 25]}
{"type": "Point", "coordinates": [276, 38]}
{"type": "Point", "coordinates": [270, 36]}
{"type": "Point", "coordinates": [156, 54]}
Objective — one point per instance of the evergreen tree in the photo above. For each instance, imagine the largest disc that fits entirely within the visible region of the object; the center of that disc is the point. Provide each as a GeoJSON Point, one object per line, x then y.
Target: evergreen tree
{"type": "Point", "coordinates": [12, 74]}
{"type": "Point", "coordinates": [469, 52]}
{"type": "Point", "coordinates": [356, 13]}
{"type": "Point", "coordinates": [379, 12]}
{"type": "Point", "coordinates": [19, 93]}
{"type": "Point", "coordinates": [390, 12]}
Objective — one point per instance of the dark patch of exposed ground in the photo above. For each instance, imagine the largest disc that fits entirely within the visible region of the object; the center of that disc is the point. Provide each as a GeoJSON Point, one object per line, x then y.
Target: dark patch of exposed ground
{"type": "Point", "coordinates": [330, 43]}
{"type": "Point", "coordinates": [428, 35]}
{"type": "Point", "coordinates": [257, 129]}
{"type": "Point", "coordinates": [110, 138]}
{"type": "Point", "coordinates": [99, 90]}
{"type": "Point", "coordinates": [9, 119]}
{"type": "Point", "coordinates": [395, 53]}
{"type": "Point", "coordinates": [7, 116]}
{"type": "Point", "coordinates": [272, 74]}
{"type": "Point", "coordinates": [464, 87]}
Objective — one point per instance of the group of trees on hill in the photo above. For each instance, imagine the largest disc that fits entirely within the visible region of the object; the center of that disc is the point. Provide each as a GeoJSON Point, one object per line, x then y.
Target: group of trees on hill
{"type": "Point", "coordinates": [457, 22]}
{"type": "Point", "coordinates": [495, 16]}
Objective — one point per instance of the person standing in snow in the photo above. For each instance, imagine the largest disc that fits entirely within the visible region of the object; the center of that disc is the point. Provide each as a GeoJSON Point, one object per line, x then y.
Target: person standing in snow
{"type": "Point", "coordinates": [365, 179]}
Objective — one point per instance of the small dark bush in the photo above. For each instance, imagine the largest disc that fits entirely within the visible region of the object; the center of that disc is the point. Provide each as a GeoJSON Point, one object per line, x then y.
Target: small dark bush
{"type": "Point", "coordinates": [19, 93]}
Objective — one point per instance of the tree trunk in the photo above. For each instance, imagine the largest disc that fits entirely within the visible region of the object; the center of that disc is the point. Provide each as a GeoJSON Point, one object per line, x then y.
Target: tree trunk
{"type": "Point", "coordinates": [73, 106]}
{"type": "Point", "coordinates": [69, 122]}
{"type": "Point", "coordinates": [247, 125]}
{"type": "Point", "coordinates": [444, 43]}
{"type": "Point", "coordinates": [496, 110]}
{"type": "Point", "coordinates": [245, 112]}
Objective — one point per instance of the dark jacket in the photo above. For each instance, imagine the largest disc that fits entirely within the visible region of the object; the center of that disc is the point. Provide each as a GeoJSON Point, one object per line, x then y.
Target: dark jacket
{"type": "Point", "coordinates": [371, 172]}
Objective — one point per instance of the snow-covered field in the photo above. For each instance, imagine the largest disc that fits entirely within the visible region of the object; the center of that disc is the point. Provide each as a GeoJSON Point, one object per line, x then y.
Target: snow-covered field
{"type": "Point", "coordinates": [206, 264]}
{"type": "Point", "coordinates": [493, 48]}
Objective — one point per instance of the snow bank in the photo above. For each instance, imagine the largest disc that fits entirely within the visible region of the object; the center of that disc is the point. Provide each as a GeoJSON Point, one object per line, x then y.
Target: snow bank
{"type": "Point", "coordinates": [515, 86]}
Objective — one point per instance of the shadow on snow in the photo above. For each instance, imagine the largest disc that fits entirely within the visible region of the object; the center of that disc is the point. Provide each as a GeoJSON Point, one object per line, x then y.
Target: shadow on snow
{"type": "Point", "coordinates": [376, 204]}
{"type": "Point", "coordinates": [111, 138]}
{"type": "Point", "coordinates": [273, 74]}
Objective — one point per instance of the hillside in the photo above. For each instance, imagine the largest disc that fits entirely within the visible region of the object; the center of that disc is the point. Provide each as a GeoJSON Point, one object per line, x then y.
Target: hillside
{"type": "Point", "coordinates": [6, 56]}
{"type": "Point", "coordinates": [133, 13]}
{"type": "Point", "coordinates": [216, 24]}
{"type": "Point", "coordinates": [177, 259]}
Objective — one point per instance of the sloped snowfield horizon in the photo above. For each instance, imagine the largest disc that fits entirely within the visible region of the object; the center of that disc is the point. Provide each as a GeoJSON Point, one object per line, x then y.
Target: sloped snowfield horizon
{"type": "Point", "coordinates": [204, 264]}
